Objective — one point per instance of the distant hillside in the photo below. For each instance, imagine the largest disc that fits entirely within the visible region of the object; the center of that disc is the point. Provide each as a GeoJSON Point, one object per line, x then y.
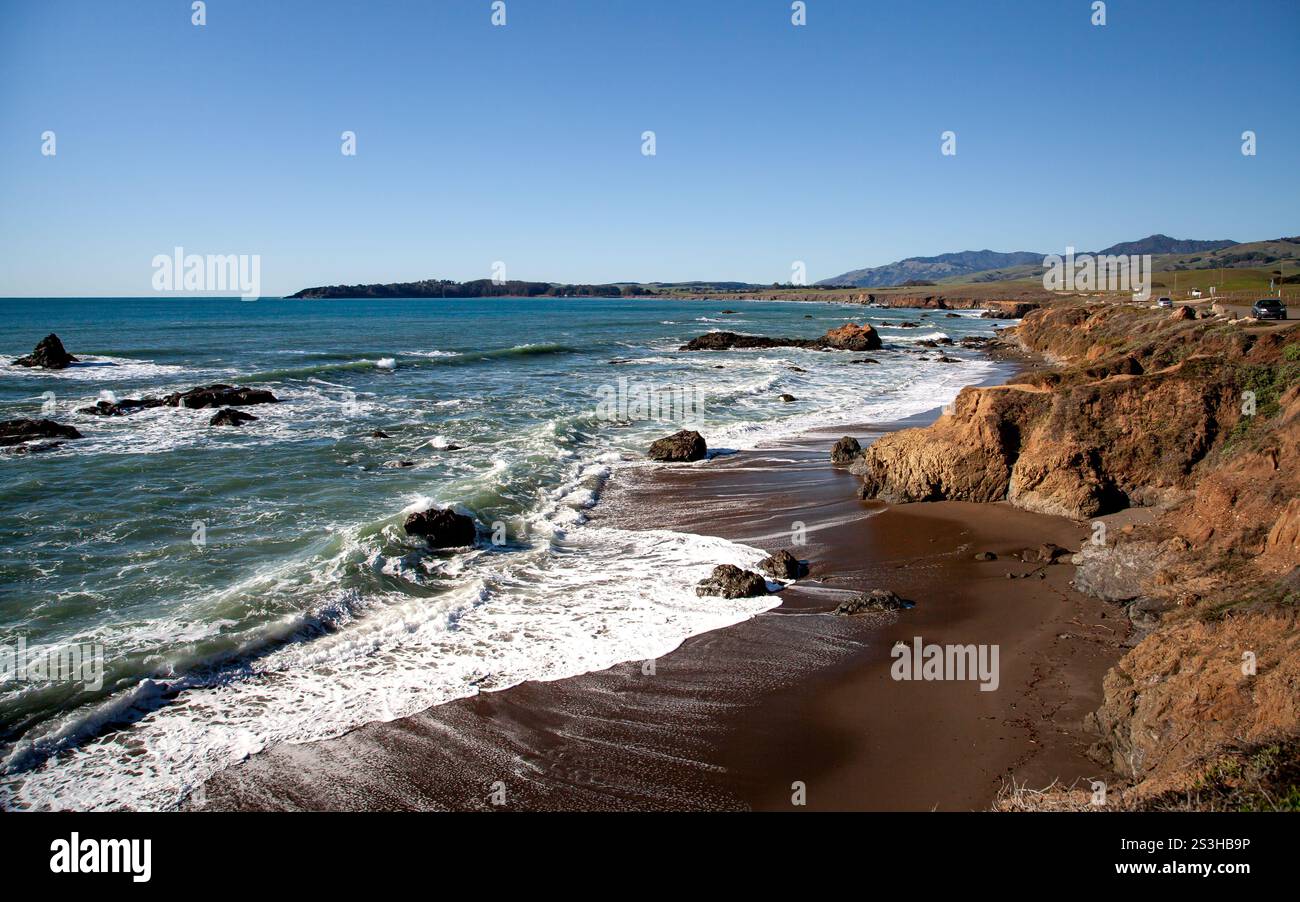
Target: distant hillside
{"type": "Point", "coordinates": [479, 288]}
{"type": "Point", "coordinates": [932, 269]}
{"type": "Point", "coordinates": [1163, 244]}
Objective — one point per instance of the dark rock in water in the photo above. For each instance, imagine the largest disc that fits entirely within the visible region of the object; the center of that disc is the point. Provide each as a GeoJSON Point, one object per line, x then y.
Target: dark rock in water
{"type": "Point", "coordinates": [848, 337]}
{"type": "Point", "coordinates": [231, 417]}
{"type": "Point", "coordinates": [442, 527]}
{"type": "Point", "coordinates": [783, 565]}
{"type": "Point", "coordinates": [945, 340]}
{"type": "Point", "coordinates": [686, 445]}
{"type": "Point", "coordinates": [986, 556]}
{"type": "Point", "coordinates": [220, 396]}
{"type": "Point", "coordinates": [907, 324]}
{"type": "Point", "coordinates": [875, 600]}
{"type": "Point", "coordinates": [729, 581]}
{"type": "Point", "coordinates": [379, 433]}
{"type": "Point", "coordinates": [952, 316]}
{"type": "Point", "coordinates": [807, 316]}
{"type": "Point", "coordinates": [944, 358]}
{"type": "Point", "coordinates": [14, 432]}
{"type": "Point", "coordinates": [788, 398]}
{"type": "Point", "coordinates": [49, 354]}
{"type": "Point", "coordinates": [845, 450]}
{"type": "Point", "coordinates": [728, 311]}
{"type": "Point", "coordinates": [120, 408]}
{"type": "Point", "coordinates": [33, 449]}
{"type": "Point", "coordinates": [796, 369]}
{"type": "Point", "coordinates": [928, 343]}
{"type": "Point", "coordinates": [398, 464]}
{"type": "Point", "coordinates": [452, 447]}
{"type": "Point", "coordinates": [865, 360]}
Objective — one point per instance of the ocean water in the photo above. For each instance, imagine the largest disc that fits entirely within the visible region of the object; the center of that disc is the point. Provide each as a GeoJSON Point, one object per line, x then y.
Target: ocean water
{"type": "Point", "coordinates": [307, 610]}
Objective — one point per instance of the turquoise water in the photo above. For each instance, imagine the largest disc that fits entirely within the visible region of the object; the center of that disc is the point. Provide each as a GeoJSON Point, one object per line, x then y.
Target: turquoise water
{"type": "Point", "coordinates": [306, 610]}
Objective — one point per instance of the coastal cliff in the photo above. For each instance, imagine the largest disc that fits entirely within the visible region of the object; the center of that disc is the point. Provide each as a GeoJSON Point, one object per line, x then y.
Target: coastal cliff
{"type": "Point", "coordinates": [1196, 420]}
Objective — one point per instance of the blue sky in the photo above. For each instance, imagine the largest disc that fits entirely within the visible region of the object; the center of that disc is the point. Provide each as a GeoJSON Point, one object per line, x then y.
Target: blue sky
{"type": "Point", "coordinates": [522, 143]}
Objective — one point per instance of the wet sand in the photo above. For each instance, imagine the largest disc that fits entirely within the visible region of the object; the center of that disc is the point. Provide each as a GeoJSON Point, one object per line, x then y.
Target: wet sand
{"type": "Point", "coordinates": [733, 718]}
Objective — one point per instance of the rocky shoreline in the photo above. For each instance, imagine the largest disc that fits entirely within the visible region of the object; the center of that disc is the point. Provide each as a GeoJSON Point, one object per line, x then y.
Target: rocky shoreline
{"type": "Point", "coordinates": [1197, 423]}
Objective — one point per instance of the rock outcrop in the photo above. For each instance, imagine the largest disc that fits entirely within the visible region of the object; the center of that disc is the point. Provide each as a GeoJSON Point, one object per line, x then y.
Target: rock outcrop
{"type": "Point", "coordinates": [729, 581]}
{"type": "Point", "coordinates": [49, 354]}
{"type": "Point", "coordinates": [783, 565]}
{"type": "Point", "coordinates": [846, 450]}
{"type": "Point", "coordinates": [680, 447]}
{"type": "Point", "coordinates": [120, 408]}
{"type": "Point", "coordinates": [220, 396]}
{"type": "Point", "coordinates": [848, 337]}
{"type": "Point", "coordinates": [875, 601]}
{"type": "Point", "coordinates": [15, 432]}
{"type": "Point", "coordinates": [442, 528]}
{"type": "Point", "coordinates": [231, 417]}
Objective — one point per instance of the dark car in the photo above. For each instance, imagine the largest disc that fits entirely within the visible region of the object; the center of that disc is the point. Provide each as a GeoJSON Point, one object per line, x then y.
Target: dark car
{"type": "Point", "coordinates": [1268, 308]}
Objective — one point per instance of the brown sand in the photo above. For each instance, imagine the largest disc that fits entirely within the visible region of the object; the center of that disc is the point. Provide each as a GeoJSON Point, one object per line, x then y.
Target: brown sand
{"type": "Point", "coordinates": [734, 717]}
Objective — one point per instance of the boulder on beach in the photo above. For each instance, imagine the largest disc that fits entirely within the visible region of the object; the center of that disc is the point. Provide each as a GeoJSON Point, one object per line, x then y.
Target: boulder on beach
{"type": "Point", "coordinates": [783, 565]}
{"type": "Point", "coordinates": [15, 432]}
{"type": "Point", "coordinates": [851, 337]}
{"type": "Point", "coordinates": [49, 354]}
{"type": "Point", "coordinates": [874, 601]}
{"type": "Point", "coordinates": [220, 396]}
{"type": "Point", "coordinates": [1046, 553]}
{"type": "Point", "coordinates": [684, 446]}
{"type": "Point", "coordinates": [442, 527]}
{"type": "Point", "coordinates": [729, 581]}
{"type": "Point", "coordinates": [985, 556]}
{"type": "Point", "coordinates": [845, 450]}
{"type": "Point", "coordinates": [231, 417]}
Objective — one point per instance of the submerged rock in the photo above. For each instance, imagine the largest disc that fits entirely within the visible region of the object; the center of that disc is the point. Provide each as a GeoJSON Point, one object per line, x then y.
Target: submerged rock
{"type": "Point", "coordinates": [787, 398]}
{"type": "Point", "coordinates": [729, 581]}
{"type": "Point", "coordinates": [442, 527]}
{"type": "Point", "coordinates": [231, 417]}
{"type": "Point", "coordinates": [379, 433]}
{"type": "Point", "coordinates": [783, 565]}
{"type": "Point", "coordinates": [684, 446]}
{"type": "Point", "coordinates": [120, 408]}
{"type": "Point", "coordinates": [874, 601]}
{"type": "Point", "coordinates": [845, 450]}
{"type": "Point", "coordinates": [49, 354]}
{"type": "Point", "coordinates": [14, 432]}
{"type": "Point", "coordinates": [220, 396]}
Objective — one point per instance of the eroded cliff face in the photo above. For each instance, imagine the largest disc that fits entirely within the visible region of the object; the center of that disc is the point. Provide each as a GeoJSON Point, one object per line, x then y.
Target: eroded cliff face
{"type": "Point", "coordinates": [1198, 420]}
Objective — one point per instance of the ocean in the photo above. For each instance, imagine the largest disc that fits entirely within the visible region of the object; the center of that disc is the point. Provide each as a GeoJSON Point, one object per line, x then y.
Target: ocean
{"type": "Point", "coordinates": [254, 585]}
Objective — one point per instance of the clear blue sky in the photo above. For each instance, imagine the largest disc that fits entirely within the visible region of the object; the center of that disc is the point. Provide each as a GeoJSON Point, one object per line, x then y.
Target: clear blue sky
{"type": "Point", "coordinates": [523, 144]}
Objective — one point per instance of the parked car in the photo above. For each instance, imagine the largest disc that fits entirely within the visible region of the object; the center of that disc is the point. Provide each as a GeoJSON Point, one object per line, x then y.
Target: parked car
{"type": "Point", "coordinates": [1268, 308]}
{"type": "Point", "coordinates": [1166, 303]}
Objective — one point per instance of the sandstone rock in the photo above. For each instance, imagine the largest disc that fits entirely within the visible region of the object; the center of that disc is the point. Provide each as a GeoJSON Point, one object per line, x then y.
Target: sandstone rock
{"type": "Point", "coordinates": [231, 417]}
{"type": "Point", "coordinates": [851, 337]}
{"type": "Point", "coordinates": [874, 601]}
{"type": "Point", "coordinates": [729, 581]}
{"type": "Point", "coordinates": [683, 446]}
{"type": "Point", "coordinates": [783, 565]}
{"type": "Point", "coordinates": [14, 432]}
{"type": "Point", "coordinates": [846, 450]}
{"type": "Point", "coordinates": [442, 527]}
{"type": "Point", "coordinates": [48, 354]}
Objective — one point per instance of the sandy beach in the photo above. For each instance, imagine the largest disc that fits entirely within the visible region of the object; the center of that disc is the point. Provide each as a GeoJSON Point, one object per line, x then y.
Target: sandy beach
{"type": "Point", "coordinates": [734, 718]}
